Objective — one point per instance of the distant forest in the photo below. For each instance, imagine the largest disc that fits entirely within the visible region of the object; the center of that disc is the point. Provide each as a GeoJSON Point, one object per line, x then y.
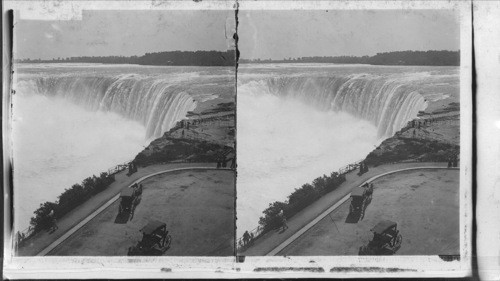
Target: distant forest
{"type": "Point", "coordinates": [228, 58]}
{"type": "Point", "coordinates": [185, 58]}
{"type": "Point", "coordinates": [436, 58]}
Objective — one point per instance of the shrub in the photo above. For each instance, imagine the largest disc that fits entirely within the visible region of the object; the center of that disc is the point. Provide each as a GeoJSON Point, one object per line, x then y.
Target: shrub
{"type": "Point", "coordinates": [41, 220]}
{"type": "Point", "coordinates": [270, 220]}
{"type": "Point", "coordinates": [69, 200]}
{"type": "Point", "coordinates": [299, 199]}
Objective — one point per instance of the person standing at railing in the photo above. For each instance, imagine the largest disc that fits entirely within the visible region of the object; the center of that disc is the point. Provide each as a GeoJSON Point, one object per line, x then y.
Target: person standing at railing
{"type": "Point", "coordinates": [20, 237]}
{"type": "Point", "coordinates": [246, 238]}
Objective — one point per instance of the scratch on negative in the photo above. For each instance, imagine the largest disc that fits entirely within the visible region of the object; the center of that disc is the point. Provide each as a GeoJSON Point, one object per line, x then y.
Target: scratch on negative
{"type": "Point", "coordinates": [370, 269]}
{"type": "Point", "coordinates": [294, 269]}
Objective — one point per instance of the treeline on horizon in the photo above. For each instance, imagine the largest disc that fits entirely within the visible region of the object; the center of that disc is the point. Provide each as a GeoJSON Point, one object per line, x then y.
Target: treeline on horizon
{"type": "Point", "coordinates": [433, 58]}
{"type": "Point", "coordinates": [228, 58]}
{"type": "Point", "coordinates": [175, 58]}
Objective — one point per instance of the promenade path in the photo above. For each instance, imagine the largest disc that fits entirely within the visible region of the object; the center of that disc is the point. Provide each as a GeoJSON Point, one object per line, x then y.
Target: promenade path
{"type": "Point", "coordinates": [197, 204]}
{"type": "Point", "coordinates": [423, 202]}
{"type": "Point", "coordinates": [271, 242]}
{"type": "Point", "coordinates": [43, 239]}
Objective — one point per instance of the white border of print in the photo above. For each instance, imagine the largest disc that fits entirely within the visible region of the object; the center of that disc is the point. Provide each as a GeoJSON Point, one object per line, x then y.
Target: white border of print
{"type": "Point", "coordinates": [227, 267]}
{"type": "Point", "coordinates": [486, 41]}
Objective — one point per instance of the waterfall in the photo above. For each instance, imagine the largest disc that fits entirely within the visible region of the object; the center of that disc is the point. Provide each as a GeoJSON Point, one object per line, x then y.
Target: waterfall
{"type": "Point", "coordinates": [388, 102]}
{"type": "Point", "coordinates": [153, 101]}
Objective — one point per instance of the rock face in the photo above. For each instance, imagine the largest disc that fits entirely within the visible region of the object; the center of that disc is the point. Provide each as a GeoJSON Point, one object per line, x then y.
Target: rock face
{"type": "Point", "coordinates": [206, 136]}
{"type": "Point", "coordinates": [431, 138]}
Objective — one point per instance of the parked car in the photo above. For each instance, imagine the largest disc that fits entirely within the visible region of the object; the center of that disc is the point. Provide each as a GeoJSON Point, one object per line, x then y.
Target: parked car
{"type": "Point", "coordinates": [129, 198]}
{"type": "Point", "coordinates": [386, 239]}
{"type": "Point", "coordinates": [360, 197]}
{"type": "Point", "coordinates": [155, 240]}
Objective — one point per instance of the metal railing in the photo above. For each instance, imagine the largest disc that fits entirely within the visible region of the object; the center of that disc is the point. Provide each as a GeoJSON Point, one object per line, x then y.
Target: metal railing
{"type": "Point", "coordinates": [253, 234]}
{"type": "Point", "coordinates": [118, 168]}
{"type": "Point", "coordinates": [24, 235]}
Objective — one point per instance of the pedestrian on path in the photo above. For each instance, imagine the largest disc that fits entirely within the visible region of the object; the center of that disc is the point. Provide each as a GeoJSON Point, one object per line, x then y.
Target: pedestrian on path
{"type": "Point", "coordinates": [283, 220]}
{"type": "Point", "coordinates": [53, 224]}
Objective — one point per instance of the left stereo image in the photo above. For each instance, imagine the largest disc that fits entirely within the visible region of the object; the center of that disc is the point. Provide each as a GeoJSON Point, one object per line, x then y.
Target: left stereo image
{"type": "Point", "coordinates": [123, 134]}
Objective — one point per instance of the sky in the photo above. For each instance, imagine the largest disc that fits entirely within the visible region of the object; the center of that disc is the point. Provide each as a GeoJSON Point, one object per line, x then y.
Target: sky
{"type": "Point", "coordinates": [264, 34]}
{"type": "Point", "coordinates": [283, 34]}
{"type": "Point", "coordinates": [103, 33]}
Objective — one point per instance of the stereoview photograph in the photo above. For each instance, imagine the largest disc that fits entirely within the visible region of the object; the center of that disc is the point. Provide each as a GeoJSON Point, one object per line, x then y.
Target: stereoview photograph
{"type": "Point", "coordinates": [186, 139]}
{"type": "Point", "coordinates": [348, 133]}
{"type": "Point", "coordinates": [123, 134]}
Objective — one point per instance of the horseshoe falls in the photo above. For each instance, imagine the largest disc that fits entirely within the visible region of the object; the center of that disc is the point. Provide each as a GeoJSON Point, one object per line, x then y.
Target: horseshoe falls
{"type": "Point", "coordinates": [155, 101]}
{"type": "Point", "coordinates": [387, 103]}
{"type": "Point", "coordinates": [71, 121]}
{"type": "Point", "coordinates": [297, 122]}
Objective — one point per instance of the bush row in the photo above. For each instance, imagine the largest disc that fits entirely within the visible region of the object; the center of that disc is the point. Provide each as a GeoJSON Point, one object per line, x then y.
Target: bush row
{"type": "Point", "coordinates": [69, 200]}
{"type": "Point", "coordinates": [299, 199]}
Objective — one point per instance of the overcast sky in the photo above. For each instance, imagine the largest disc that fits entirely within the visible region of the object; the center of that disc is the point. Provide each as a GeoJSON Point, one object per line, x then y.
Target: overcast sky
{"type": "Point", "coordinates": [102, 33]}
{"type": "Point", "coordinates": [263, 34]}
{"type": "Point", "coordinates": [282, 34]}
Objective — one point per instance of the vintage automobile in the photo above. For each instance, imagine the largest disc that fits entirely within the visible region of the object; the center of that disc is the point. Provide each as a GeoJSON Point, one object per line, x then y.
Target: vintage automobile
{"type": "Point", "coordinates": [129, 198]}
{"type": "Point", "coordinates": [155, 240]}
{"type": "Point", "coordinates": [360, 197]}
{"type": "Point", "coordinates": [386, 239]}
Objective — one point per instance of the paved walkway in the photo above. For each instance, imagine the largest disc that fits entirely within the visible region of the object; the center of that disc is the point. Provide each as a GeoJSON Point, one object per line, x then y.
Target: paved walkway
{"type": "Point", "coordinates": [273, 241]}
{"type": "Point", "coordinates": [74, 229]}
{"type": "Point", "coordinates": [43, 239]}
{"type": "Point", "coordinates": [277, 250]}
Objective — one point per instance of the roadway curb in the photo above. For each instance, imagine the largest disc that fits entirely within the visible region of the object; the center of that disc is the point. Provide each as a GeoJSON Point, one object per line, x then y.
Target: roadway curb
{"type": "Point", "coordinates": [70, 232]}
{"type": "Point", "coordinates": [301, 231]}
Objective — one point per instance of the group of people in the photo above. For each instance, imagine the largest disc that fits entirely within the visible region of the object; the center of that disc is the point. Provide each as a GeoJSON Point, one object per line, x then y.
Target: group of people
{"type": "Point", "coordinates": [453, 162]}
{"type": "Point", "coordinates": [247, 238]}
{"type": "Point", "coordinates": [221, 162]}
{"type": "Point", "coordinates": [417, 123]}
{"type": "Point", "coordinates": [223, 158]}
{"type": "Point", "coordinates": [185, 124]}
{"type": "Point", "coordinates": [132, 168]}
{"type": "Point", "coordinates": [363, 168]}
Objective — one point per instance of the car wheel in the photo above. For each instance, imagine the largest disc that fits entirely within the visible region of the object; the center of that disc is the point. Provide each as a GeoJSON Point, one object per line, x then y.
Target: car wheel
{"type": "Point", "coordinates": [399, 241]}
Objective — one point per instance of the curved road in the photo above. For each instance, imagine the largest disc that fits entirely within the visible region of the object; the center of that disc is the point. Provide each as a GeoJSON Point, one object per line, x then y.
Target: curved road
{"type": "Point", "coordinates": [273, 252]}
{"type": "Point", "coordinates": [71, 231]}
{"type": "Point", "coordinates": [301, 231]}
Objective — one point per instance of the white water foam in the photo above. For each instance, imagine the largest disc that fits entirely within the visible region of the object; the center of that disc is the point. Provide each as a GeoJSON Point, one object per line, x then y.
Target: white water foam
{"type": "Point", "coordinates": [158, 103]}
{"type": "Point", "coordinates": [284, 143]}
{"type": "Point", "coordinates": [57, 144]}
